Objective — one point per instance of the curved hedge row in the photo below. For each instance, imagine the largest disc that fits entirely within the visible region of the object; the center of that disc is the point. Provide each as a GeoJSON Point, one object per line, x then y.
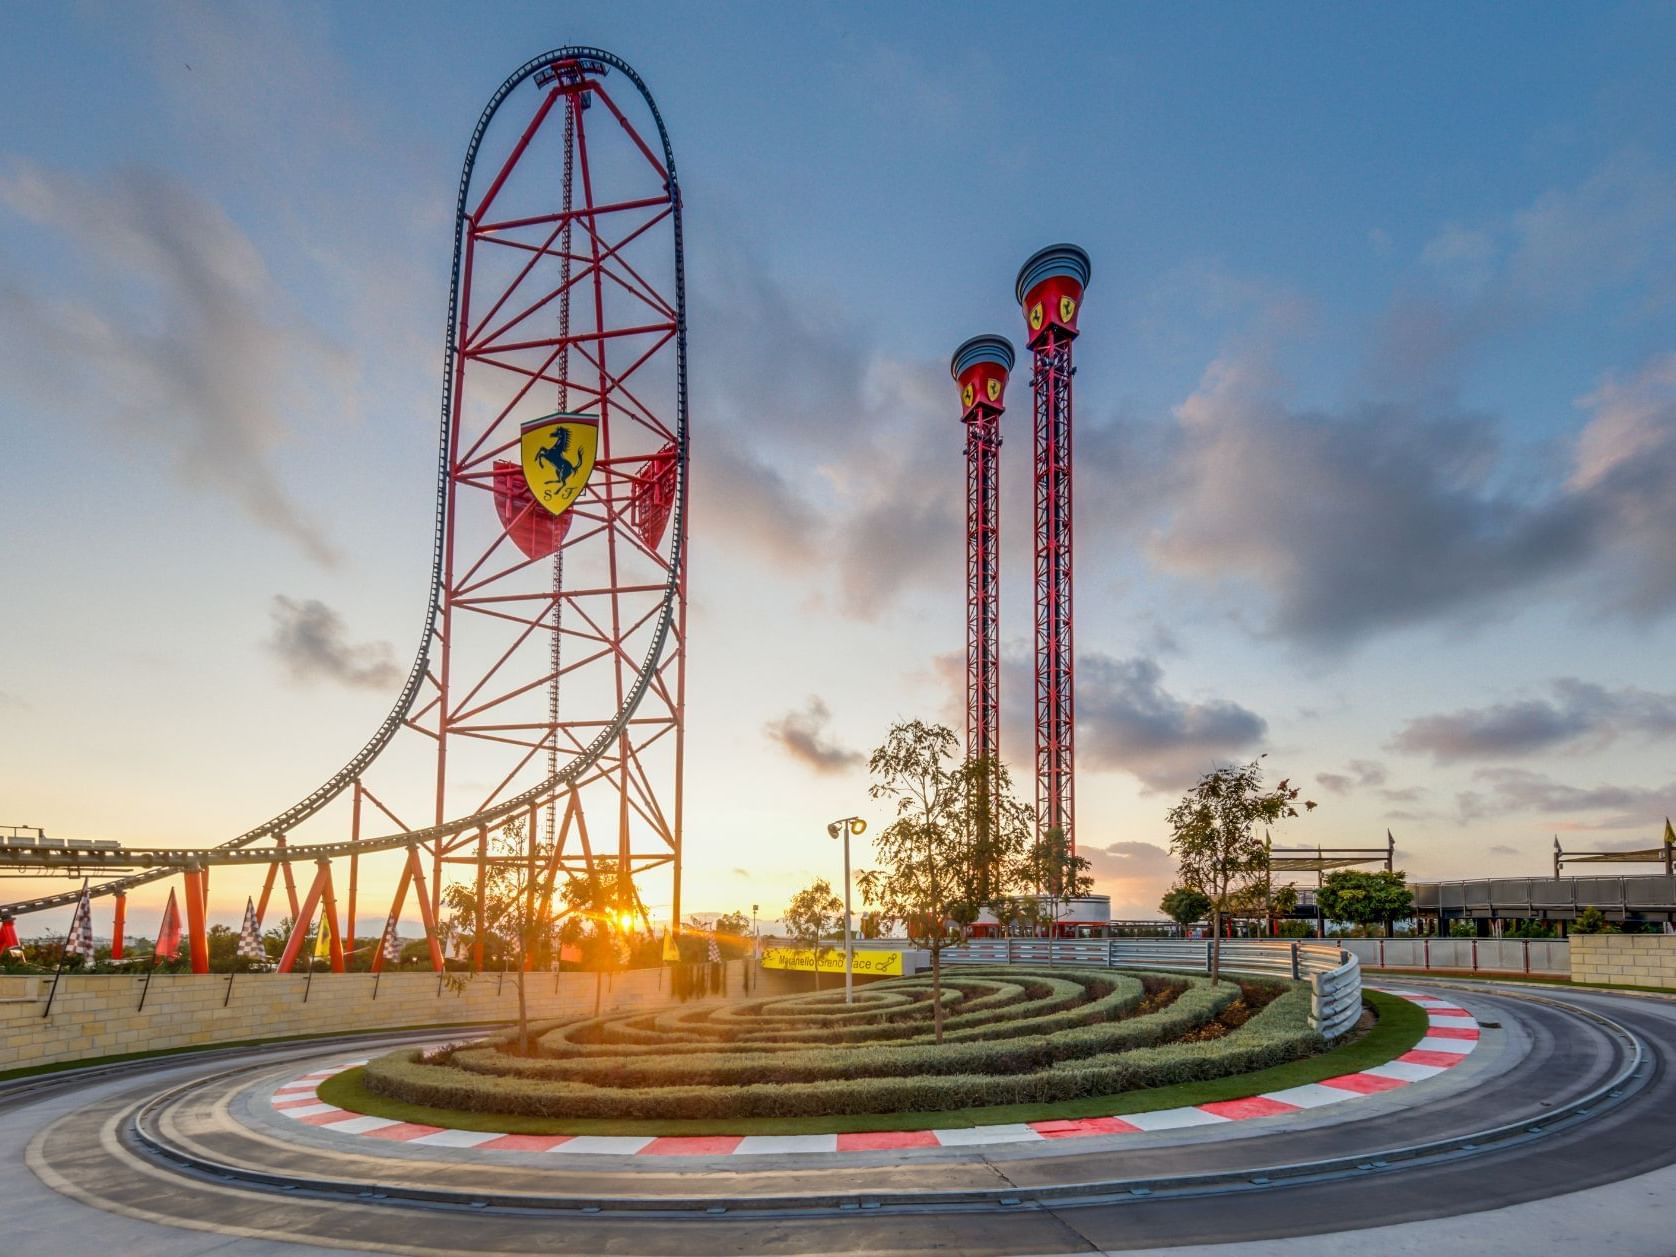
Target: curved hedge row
{"type": "Point", "coordinates": [1015, 1038]}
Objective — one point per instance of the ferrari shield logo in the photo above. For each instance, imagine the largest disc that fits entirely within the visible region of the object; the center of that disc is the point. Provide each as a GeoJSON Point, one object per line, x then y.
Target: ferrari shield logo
{"type": "Point", "coordinates": [1036, 317]}
{"type": "Point", "coordinates": [1067, 309]}
{"type": "Point", "coordinates": [558, 457]}
{"type": "Point", "coordinates": [993, 388]}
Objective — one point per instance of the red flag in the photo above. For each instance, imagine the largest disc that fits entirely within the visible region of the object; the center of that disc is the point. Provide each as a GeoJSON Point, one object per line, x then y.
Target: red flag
{"type": "Point", "coordinates": [168, 934]}
{"type": "Point", "coordinates": [8, 935]}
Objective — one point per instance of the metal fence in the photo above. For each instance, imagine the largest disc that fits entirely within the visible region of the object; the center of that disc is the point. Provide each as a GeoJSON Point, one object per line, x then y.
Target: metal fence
{"type": "Point", "coordinates": [1561, 898]}
{"type": "Point", "coordinates": [1499, 955]}
{"type": "Point", "coordinates": [1334, 973]}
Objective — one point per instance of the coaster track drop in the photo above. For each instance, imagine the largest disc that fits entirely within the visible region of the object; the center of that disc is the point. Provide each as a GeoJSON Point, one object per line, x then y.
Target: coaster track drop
{"type": "Point", "coordinates": [509, 586]}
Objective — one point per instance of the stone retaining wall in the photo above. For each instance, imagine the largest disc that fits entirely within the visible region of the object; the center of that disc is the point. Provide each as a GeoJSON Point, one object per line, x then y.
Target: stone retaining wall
{"type": "Point", "coordinates": [95, 1015]}
{"type": "Point", "coordinates": [1624, 959]}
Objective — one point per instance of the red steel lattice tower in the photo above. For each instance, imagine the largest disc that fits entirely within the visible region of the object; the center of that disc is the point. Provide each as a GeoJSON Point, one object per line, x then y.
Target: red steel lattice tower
{"type": "Point", "coordinates": [1049, 290]}
{"type": "Point", "coordinates": [980, 368]}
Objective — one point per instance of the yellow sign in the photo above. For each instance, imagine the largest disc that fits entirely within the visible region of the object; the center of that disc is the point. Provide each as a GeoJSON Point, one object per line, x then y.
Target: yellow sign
{"type": "Point", "coordinates": [558, 457]}
{"type": "Point", "coordinates": [870, 963]}
{"type": "Point", "coordinates": [1036, 317]}
{"type": "Point", "coordinates": [993, 388]}
{"type": "Point", "coordinates": [1067, 308]}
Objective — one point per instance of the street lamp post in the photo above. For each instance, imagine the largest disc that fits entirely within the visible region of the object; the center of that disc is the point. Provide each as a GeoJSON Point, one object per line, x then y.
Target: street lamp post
{"type": "Point", "coordinates": [847, 826]}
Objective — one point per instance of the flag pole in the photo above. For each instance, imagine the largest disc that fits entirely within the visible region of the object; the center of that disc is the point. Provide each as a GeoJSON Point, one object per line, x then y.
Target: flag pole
{"type": "Point", "coordinates": [65, 950]}
{"type": "Point", "coordinates": [231, 974]}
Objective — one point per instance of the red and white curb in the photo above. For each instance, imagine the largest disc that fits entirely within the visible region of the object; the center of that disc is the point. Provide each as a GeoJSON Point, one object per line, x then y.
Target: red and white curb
{"type": "Point", "coordinates": [1451, 1035]}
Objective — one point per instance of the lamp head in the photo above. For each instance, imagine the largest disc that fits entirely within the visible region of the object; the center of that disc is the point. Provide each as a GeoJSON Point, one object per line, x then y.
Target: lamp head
{"type": "Point", "coordinates": [834, 829]}
{"type": "Point", "coordinates": [857, 825]}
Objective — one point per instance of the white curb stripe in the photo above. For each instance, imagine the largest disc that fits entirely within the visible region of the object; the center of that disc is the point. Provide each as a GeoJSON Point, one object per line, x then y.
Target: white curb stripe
{"type": "Point", "coordinates": [1403, 1071]}
{"type": "Point", "coordinates": [360, 1125]}
{"type": "Point", "coordinates": [610, 1145]}
{"type": "Point", "coordinates": [312, 1110]}
{"type": "Point", "coordinates": [966, 1136]}
{"type": "Point", "coordinates": [1312, 1095]}
{"type": "Point", "coordinates": [1458, 1046]}
{"type": "Point", "coordinates": [753, 1144]}
{"type": "Point", "coordinates": [1171, 1119]}
{"type": "Point", "coordinates": [457, 1138]}
{"type": "Point", "coordinates": [1454, 1023]}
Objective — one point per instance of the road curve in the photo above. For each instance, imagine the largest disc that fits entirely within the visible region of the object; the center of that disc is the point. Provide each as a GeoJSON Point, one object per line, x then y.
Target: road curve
{"type": "Point", "coordinates": [1546, 1055]}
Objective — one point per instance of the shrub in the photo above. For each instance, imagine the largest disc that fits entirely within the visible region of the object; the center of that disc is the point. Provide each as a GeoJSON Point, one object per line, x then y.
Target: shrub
{"type": "Point", "coordinates": [1062, 1054]}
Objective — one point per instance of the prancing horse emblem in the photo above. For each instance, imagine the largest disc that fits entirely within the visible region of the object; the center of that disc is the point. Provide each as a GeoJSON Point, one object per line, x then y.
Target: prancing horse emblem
{"type": "Point", "coordinates": [558, 454]}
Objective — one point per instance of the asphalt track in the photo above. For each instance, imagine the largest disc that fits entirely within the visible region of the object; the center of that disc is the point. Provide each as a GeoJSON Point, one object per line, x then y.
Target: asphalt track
{"type": "Point", "coordinates": [1549, 1182]}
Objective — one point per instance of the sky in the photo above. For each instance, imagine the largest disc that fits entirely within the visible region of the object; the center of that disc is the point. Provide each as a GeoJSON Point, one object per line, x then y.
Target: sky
{"type": "Point", "coordinates": [1376, 406]}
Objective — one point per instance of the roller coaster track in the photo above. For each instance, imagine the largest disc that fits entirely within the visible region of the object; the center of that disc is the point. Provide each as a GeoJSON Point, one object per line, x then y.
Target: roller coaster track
{"type": "Point", "coordinates": [538, 795]}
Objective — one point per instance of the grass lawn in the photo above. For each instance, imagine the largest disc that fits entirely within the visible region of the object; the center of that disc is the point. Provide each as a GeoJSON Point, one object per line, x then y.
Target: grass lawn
{"type": "Point", "coordinates": [1399, 1027]}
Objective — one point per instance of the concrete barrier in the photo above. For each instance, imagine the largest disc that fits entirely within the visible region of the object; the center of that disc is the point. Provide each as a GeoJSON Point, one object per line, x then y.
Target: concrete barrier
{"type": "Point", "coordinates": [96, 1015]}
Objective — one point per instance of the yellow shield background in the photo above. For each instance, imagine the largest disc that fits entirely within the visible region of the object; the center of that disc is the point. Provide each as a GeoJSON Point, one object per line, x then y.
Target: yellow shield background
{"type": "Point", "coordinates": [557, 453]}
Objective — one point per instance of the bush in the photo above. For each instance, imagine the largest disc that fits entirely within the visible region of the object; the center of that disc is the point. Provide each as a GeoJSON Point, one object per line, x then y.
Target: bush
{"type": "Point", "coordinates": [1062, 1055]}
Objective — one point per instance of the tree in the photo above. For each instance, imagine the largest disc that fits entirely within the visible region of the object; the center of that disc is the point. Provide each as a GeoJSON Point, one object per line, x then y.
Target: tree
{"type": "Point", "coordinates": [1593, 921]}
{"type": "Point", "coordinates": [1185, 905]}
{"type": "Point", "coordinates": [1215, 840]}
{"type": "Point", "coordinates": [515, 911]}
{"type": "Point", "coordinates": [1057, 873]}
{"type": "Point", "coordinates": [956, 846]}
{"type": "Point", "coordinates": [811, 912]}
{"type": "Point", "coordinates": [1360, 898]}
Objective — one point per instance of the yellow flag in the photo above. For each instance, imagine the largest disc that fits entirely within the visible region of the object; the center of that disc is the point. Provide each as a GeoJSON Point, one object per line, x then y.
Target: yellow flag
{"type": "Point", "coordinates": [323, 939]}
{"type": "Point", "coordinates": [671, 952]}
{"type": "Point", "coordinates": [1669, 834]}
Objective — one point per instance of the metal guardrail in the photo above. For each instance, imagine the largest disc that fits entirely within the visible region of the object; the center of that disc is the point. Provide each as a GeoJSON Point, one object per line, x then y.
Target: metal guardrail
{"type": "Point", "coordinates": [1497, 955]}
{"type": "Point", "coordinates": [1334, 974]}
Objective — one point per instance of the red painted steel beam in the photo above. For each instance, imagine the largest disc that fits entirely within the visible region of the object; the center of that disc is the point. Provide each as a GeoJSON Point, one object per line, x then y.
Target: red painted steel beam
{"type": "Point", "coordinates": [118, 925]}
{"type": "Point", "coordinates": [1049, 290]}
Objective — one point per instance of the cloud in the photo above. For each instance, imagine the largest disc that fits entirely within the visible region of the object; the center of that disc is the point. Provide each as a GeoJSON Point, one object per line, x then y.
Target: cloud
{"type": "Point", "coordinates": [1134, 874]}
{"type": "Point", "coordinates": [1127, 721]}
{"type": "Point", "coordinates": [1348, 523]}
{"type": "Point", "coordinates": [1128, 859]}
{"type": "Point", "coordinates": [1501, 848]}
{"type": "Point", "coordinates": [823, 452]}
{"type": "Point", "coordinates": [1360, 772]}
{"type": "Point", "coordinates": [752, 505]}
{"type": "Point", "coordinates": [1580, 713]}
{"type": "Point", "coordinates": [308, 638]}
{"type": "Point", "coordinates": [802, 735]}
{"type": "Point", "coordinates": [179, 336]}
{"type": "Point", "coordinates": [1506, 791]}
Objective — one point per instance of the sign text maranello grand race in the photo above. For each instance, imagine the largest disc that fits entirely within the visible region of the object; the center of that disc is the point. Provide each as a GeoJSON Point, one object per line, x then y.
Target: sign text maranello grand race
{"type": "Point", "coordinates": [832, 960]}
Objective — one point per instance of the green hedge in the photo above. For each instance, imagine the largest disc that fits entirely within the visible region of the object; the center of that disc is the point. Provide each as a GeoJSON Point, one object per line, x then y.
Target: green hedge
{"type": "Point", "coordinates": [1072, 1063]}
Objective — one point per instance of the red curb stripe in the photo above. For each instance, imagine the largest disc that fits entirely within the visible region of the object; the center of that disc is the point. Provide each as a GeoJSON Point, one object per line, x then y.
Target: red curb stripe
{"type": "Point", "coordinates": [1366, 1084]}
{"type": "Point", "coordinates": [1445, 1012]}
{"type": "Point", "coordinates": [402, 1131]}
{"type": "Point", "coordinates": [298, 1102]}
{"type": "Point", "coordinates": [692, 1146]}
{"type": "Point", "coordinates": [1451, 1032]}
{"type": "Point", "coordinates": [326, 1119]}
{"type": "Point", "coordinates": [1252, 1106]}
{"type": "Point", "coordinates": [885, 1140]}
{"type": "Point", "coordinates": [1425, 1056]}
{"type": "Point", "coordinates": [1072, 1128]}
{"type": "Point", "coordinates": [526, 1143]}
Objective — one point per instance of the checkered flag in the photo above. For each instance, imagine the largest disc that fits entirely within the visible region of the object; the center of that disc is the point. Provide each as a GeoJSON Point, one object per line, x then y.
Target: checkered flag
{"type": "Point", "coordinates": [714, 953]}
{"type": "Point", "coordinates": [392, 946]}
{"type": "Point", "coordinates": [80, 941]}
{"type": "Point", "coordinates": [250, 937]}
